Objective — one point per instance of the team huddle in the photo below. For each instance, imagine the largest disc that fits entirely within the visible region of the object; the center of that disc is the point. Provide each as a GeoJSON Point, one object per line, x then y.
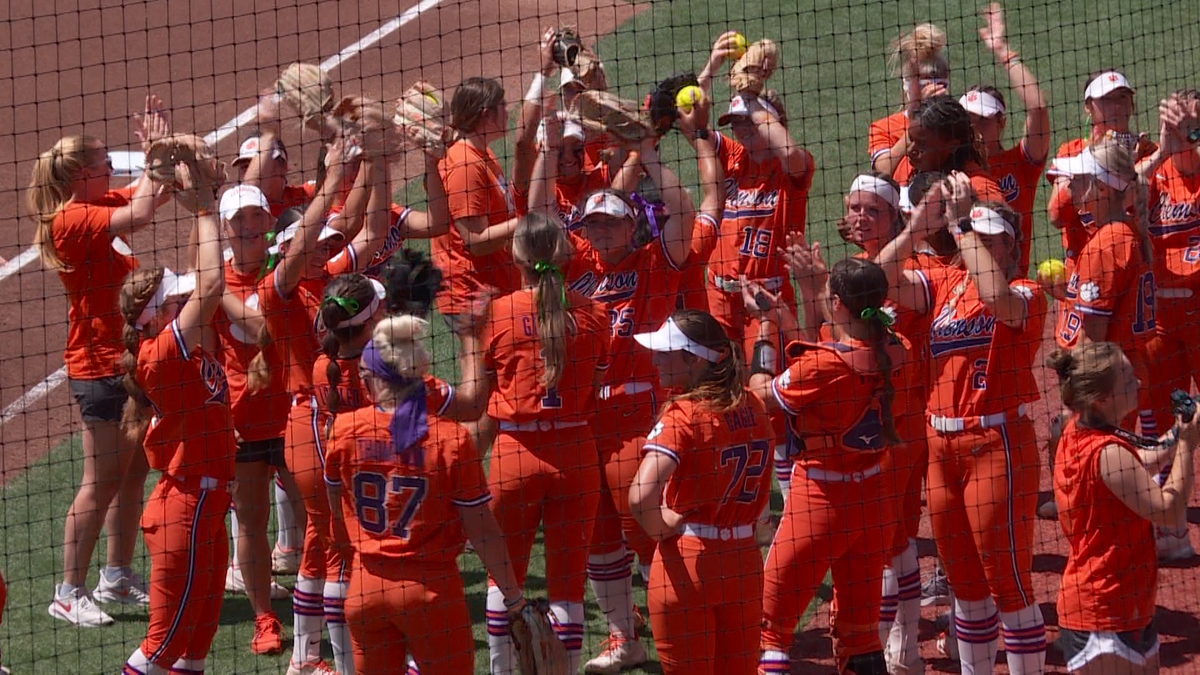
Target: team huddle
{"type": "Point", "coordinates": [634, 365]}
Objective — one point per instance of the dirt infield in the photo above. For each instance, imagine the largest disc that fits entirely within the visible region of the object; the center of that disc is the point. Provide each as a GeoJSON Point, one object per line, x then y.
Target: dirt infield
{"type": "Point", "coordinates": [207, 60]}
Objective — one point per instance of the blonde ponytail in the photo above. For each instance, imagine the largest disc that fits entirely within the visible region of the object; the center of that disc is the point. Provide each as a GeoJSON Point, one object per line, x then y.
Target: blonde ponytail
{"type": "Point", "coordinates": [541, 249]}
{"type": "Point", "coordinates": [924, 45]}
{"type": "Point", "coordinates": [51, 189]}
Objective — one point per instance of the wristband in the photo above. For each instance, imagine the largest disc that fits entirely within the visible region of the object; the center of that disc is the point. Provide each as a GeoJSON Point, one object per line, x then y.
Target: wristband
{"type": "Point", "coordinates": [534, 95]}
{"type": "Point", "coordinates": [764, 358]}
{"type": "Point", "coordinates": [200, 213]}
{"type": "Point", "coordinates": [520, 596]}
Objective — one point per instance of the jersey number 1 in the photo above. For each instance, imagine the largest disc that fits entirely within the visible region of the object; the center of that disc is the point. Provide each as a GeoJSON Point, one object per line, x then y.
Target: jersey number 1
{"type": "Point", "coordinates": [380, 502]}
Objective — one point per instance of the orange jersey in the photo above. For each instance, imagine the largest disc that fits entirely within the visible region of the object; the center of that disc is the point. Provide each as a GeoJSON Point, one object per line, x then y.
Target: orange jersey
{"type": "Point", "coordinates": [292, 323]}
{"type": "Point", "coordinates": [638, 293]}
{"type": "Point", "coordinates": [96, 266]}
{"type": "Point", "coordinates": [1111, 280]}
{"type": "Point", "coordinates": [885, 132]}
{"type": "Point", "coordinates": [722, 478]}
{"type": "Point", "coordinates": [395, 510]}
{"type": "Point", "coordinates": [979, 366]}
{"type": "Point", "coordinates": [1112, 571]}
{"type": "Point", "coordinates": [1175, 227]}
{"type": "Point", "coordinates": [692, 292]}
{"type": "Point", "coordinates": [475, 187]}
{"type": "Point", "coordinates": [260, 415]}
{"type": "Point", "coordinates": [352, 394]}
{"type": "Point", "coordinates": [513, 352]}
{"type": "Point", "coordinates": [191, 433]}
{"type": "Point", "coordinates": [762, 205]}
{"type": "Point", "coordinates": [1017, 177]}
{"type": "Point", "coordinates": [832, 397]}
{"type": "Point", "coordinates": [294, 196]}
{"type": "Point", "coordinates": [986, 189]}
{"type": "Point", "coordinates": [391, 244]}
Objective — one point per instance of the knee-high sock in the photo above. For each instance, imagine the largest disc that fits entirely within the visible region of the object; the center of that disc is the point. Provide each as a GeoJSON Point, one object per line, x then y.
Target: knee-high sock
{"type": "Point", "coordinates": [977, 627]}
{"type": "Point", "coordinates": [1024, 640]}
{"type": "Point", "coordinates": [902, 642]}
{"type": "Point", "coordinates": [138, 664]}
{"type": "Point", "coordinates": [889, 605]}
{"type": "Point", "coordinates": [188, 667]}
{"type": "Point", "coordinates": [287, 536]}
{"type": "Point", "coordinates": [611, 576]}
{"type": "Point", "coordinates": [233, 532]}
{"type": "Point", "coordinates": [783, 469]}
{"type": "Point", "coordinates": [503, 659]}
{"type": "Point", "coordinates": [567, 619]}
{"type": "Point", "coordinates": [335, 620]}
{"type": "Point", "coordinates": [773, 661]}
{"type": "Point", "coordinates": [308, 619]}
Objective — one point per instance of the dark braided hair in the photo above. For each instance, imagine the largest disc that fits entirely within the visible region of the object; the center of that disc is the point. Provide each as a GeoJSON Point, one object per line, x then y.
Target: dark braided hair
{"type": "Point", "coordinates": [412, 282]}
{"type": "Point", "coordinates": [945, 117]}
{"type": "Point", "coordinates": [862, 286]}
{"type": "Point", "coordinates": [354, 290]}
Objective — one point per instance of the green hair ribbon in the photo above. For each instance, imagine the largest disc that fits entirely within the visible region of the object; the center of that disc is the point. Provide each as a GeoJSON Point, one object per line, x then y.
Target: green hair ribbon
{"type": "Point", "coordinates": [349, 304]}
{"type": "Point", "coordinates": [880, 315]}
{"type": "Point", "coordinates": [541, 267]}
{"type": "Point", "coordinates": [272, 260]}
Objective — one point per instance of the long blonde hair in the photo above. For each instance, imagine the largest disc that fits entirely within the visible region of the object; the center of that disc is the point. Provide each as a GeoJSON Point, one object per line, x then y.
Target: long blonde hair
{"type": "Point", "coordinates": [137, 290]}
{"type": "Point", "coordinates": [723, 384]}
{"type": "Point", "coordinates": [542, 249]}
{"type": "Point", "coordinates": [400, 341]}
{"type": "Point", "coordinates": [1117, 159]}
{"type": "Point", "coordinates": [925, 45]}
{"type": "Point", "coordinates": [51, 188]}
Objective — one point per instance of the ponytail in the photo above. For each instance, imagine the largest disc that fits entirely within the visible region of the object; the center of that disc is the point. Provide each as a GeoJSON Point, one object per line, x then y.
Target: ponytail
{"type": "Point", "coordinates": [862, 287]}
{"type": "Point", "coordinates": [136, 291]}
{"type": "Point", "coordinates": [345, 296]}
{"type": "Point", "coordinates": [723, 385]}
{"type": "Point", "coordinates": [333, 372]}
{"type": "Point", "coordinates": [258, 373]}
{"type": "Point", "coordinates": [879, 327]}
{"type": "Point", "coordinates": [51, 189]}
{"type": "Point", "coordinates": [541, 248]}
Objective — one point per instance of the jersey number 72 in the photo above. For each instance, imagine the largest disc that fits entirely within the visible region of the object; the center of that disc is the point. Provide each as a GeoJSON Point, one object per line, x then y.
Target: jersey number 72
{"type": "Point", "coordinates": [749, 462]}
{"type": "Point", "coordinates": [382, 501]}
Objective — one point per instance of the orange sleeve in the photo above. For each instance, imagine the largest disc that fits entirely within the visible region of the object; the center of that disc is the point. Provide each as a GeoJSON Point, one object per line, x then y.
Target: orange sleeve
{"type": "Point", "coordinates": [672, 435]}
{"type": "Point", "coordinates": [467, 186]}
{"type": "Point", "coordinates": [986, 190]}
{"type": "Point", "coordinates": [345, 262]}
{"type": "Point", "coordinates": [468, 484]}
{"type": "Point", "coordinates": [808, 381]}
{"type": "Point", "coordinates": [339, 435]}
{"type": "Point", "coordinates": [879, 138]}
{"type": "Point", "coordinates": [1101, 273]}
{"type": "Point", "coordinates": [1062, 210]}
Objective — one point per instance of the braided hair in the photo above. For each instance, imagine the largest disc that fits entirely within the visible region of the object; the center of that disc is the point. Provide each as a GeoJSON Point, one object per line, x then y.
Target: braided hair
{"type": "Point", "coordinates": [945, 117]}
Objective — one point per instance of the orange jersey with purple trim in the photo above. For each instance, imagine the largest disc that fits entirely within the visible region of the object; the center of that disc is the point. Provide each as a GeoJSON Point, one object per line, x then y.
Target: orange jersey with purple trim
{"type": "Point", "coordinates": [294, 196]}
{"type": "Point", "coordinates": [692, 291]}
{"type": "Point", "coordinates": [513, 352]}
{"type": "Point", "coordinates": [833, 399]}
{"type": "Point", "coordinates": [1111, 575]}
{"type": "Point", "coordinates": [885, 132]}
{"type": "Point", "coordinates": [1175, 227]}
{"type": "Point", "coordinates": [391, 244]}
{"type": "Point", "coordinates": [979, 366]}
{"type": "Point", "coordinates": [1017, 176]}
{"type": "Point", "coordinates": [396, 510]}
{"type": "Point", "coordinates": [293, 325]}
{"type": "Point", "coordinates": [638, 295]}
{"type": "Point", "coordinates": [260, 415]}
{"type": "Point", "coordinates": [722, 477]}
{"type": "Point", "coordinates": [353, 394]}
{"type": "Point", "coordinates": [762, 205]}
{"type": "Point", "coordinates": [1111, 280]}
{"type": "Point", "coordinates": [191, 433]}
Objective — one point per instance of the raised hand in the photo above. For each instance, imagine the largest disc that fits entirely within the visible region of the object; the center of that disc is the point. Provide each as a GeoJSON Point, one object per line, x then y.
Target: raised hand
{"type": "Point", "coordinates": [992, 32]}
{"type": "Point", "coordinates": [804, 262]}
{"type": "Point", "coordinates": [152, 122]}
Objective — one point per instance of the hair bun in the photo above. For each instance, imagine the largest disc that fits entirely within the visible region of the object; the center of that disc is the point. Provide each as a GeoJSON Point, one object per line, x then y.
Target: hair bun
{"type": "Point", "coordinates": [1062, 361]}
{"type": "Point", "coordinates": [399, 340]}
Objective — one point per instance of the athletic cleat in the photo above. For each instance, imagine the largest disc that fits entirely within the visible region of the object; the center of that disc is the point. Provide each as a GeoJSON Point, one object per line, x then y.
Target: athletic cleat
{"type": "Point", "coordinates": [311, 668]}
{"type": "Point", "coordinates": [914, 667]}
{"type": "Point", "coordinates": [639, 621]}
{"type": "Point", "coordinates": [1173, 547]}
{"type": "Point", "coordinates": [947, 646]}
{"type": "Point", "coordinates": [234, 583]}
{"type": "Point", "coordinates": [268, 634]}
{"type": "Point", "coordinates": [935, 590]}
{"type": "Point", "coordinates": [1048, 511]}
{"type": "Point", "coordinates": [129, 590]}
{"type": "Point", "coordinates": [78, 609]}
{"type": "Point", "coordinates": [616, 654]}
{"type": "Point", "coordinates": [285, 561]}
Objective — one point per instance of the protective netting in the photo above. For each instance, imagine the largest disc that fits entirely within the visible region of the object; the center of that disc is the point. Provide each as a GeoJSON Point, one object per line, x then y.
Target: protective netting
{"type": "Point", "coordinates": [727, 337]}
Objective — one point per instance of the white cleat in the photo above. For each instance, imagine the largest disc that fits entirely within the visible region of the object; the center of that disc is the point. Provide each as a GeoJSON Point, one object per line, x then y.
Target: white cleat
{"type": "Point", "coordinates": [312, 668]}
{"type": "Point", "coordinates": [78, 609]}
{"type": "Point", "coordinates": [129, 590]}
{"type": "Point", "coordinates": [1173, 547]}
{"type": "Point", "coordinates": [285, 561]}
{"type": "Point", "coordinates": [234, 583]}
{"type": "Point", "coordinates": [947, 646]}
{"type": "Point", "coordinates": [617, 653]}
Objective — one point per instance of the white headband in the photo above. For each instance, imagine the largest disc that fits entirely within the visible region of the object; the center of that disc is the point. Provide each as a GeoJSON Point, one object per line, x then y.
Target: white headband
{"type": "Point", "coordinates": [981, 103]}
{"type": "Point", "coordinates": [172, 286]}
{"type": "Point", "coordinates": [1085, 164]}
{"type": "Point", "coordinates": [367, 312]}
{"type": "Point", "coordinates": [669, 338]}
{"type": "Point", "coordinates": [987, 221]}
{"type": "Point", "coordinates": [876, 186]}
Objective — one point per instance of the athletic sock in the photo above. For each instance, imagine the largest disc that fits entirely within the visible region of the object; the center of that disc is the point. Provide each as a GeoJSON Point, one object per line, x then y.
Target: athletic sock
{"type": "Point", "coordinates": [288, 536]}
{"type": "Point", "coordinates": [188, 667]}
{"type": "Point", "coordinates": [501, 655]}
{"type": "Point", "coordinates": [138, 664]}
{"type": "Point", "coordinates": [1024, 640]}
{"type": "Point", "coordinates": [902, 642]}
{"type": "Point", "coordinates": [308, 617]}
{"type": "Point", "coordinates": [233, 533]}
{"type": "Point", "coordinates": [977, 628]}
{"type": "Point", "coordinates": [774, 661]}
{"type": "Point", "coordinates": [611, 576]}
{"type": "Point", "coordinates": [335, 621]}
{"type": "Point", "coordinates": [567, 620]}
{"type": "Point", "coordinates": [783, 470]}
{"type": "Point", "coordinates": [889, 605]}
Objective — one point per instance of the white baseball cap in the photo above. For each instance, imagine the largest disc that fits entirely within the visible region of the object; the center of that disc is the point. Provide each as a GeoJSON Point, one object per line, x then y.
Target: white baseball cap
{"type": "Point", "coordinates": [670, 338]}
{"type": "Point", "coordinates": [981, 103]}
{"type": "Point", "coordinates": [1106, 83]}
{"type": "Point", "coordinates": [987, 221]}
{"type": "Point", "coordinates": [242, 196]}
{"type": "Point", "coordinates": [251, 146]}
{"type": "Point", "coordinates": [570, 129]}
{"type": "Point", "coordinates": [608, 204]}
{"type": "Point", "coordinates": [738, 108]}
{"type": "Point", "coordinates": [172, 286]}
{"type": "Point", "coordinates": [289, 234]}
{"type": "Point", "coordinates": [1085, 164]}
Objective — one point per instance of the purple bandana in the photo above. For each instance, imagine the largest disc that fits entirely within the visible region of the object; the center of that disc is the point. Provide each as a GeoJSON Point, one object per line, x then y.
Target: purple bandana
{"type": "Point", "coordinates": [409, 424]}
{"type": "Point", "coordinates": [649, 208]}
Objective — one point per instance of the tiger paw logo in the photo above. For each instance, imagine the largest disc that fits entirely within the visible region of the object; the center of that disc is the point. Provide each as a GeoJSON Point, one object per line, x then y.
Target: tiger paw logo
{"type": "Point", "coordinates": [1089, 292]}
{"type": "Point", "coordinates": [1008, 185]}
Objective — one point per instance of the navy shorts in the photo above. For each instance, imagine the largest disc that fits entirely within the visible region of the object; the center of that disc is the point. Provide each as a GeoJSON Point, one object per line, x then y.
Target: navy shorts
{"type": "Point", "coordinates": [100, 400]}
{"type": "Point", "coordinates": [269, 451]}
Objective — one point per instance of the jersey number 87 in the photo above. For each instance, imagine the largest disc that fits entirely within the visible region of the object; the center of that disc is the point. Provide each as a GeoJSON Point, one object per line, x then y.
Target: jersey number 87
{"type": "Point", "coordinates": [382, 501]}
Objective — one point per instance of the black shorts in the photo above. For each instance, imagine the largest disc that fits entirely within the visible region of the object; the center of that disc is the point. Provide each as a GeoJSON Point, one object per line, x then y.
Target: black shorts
{"type": "Point", "coordinates": [269, 451]}
{"type": "Point", "coordinates": [1081, 646]}
{"type": "Point", "coordinates": [100, 400]}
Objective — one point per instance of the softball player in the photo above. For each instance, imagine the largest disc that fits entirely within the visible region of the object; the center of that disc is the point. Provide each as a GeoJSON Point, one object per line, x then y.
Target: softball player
{"type": "Point", "coordinates": [920, 58]}
{"type": "Point", "coordinates": [174, 373]}
{"type": "Point", "coordinates": [941, 138]}
{"type": "Point", "coordinates": [80, 228]}
{"type": "Point", "coordinates": [544, 466]}
{"type": "Point", "coordinates": [983, 464]}
{"type": "Point", "coordinates": [404, 486]}
{"type": "Point", "coordinates": [1018, 169]}
{"type": "Point", "coordinates": [839, 398]}
{"type": "Point", "coordinates": [699, 491]}
{"type": "Point", "coordinates": [1108, 502]}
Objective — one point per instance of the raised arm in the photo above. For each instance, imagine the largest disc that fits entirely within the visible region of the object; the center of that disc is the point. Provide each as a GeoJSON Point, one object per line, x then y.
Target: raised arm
{"type": "Point", "coordinates": [677, 233]}
{"type": "Point", "coordinates": [906, 287]}
{"type": "Point", "coordinates": [290, 270]}
{"type": "Point", "coordinates": [532, 112]}
{"type": "Point", "coordinates": [1130, 481]}
{"type": "Point", "coordinates": [796, 161]}
{"type": "Point", "coordinates": [991, 280]}
{"type": "Point", "coordinates": [724, 48]}
{"type": "Point", "coordinates": [436, 220]}
{"type": "Point", "coordinates": [201, 306]}
{"type": "Point", "coordinates": [1036, 140]}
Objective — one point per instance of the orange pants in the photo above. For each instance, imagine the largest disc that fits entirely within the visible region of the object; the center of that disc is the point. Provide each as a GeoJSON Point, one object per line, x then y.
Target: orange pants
{"type": "Point", "coordinates": [393, 608]}
{"type": "Point", "coordinates": [553, 478]}
{"type": "Point", "coordinates": [983, 488]}
{"type": "Point", "coordinates": [910, 462]}
{"type": "Point", "coordinates": [183, 526]}
{"type": "Point", "coordinates": [705, 600]}
{"type": "Point", "coordinates": [838, 525]}
{"type": "Point", "coordinates": [305, 458]}
{"type": "Point", "coordinates": [626, 420]}
{"type": "Point", "coordinates": [1175, 352]}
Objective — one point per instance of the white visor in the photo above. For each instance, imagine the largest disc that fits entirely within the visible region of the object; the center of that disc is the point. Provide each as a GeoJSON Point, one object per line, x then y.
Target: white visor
{"type": "Point", "coordinates": [670, 338]}
{"type": "Point", "coordinates": [876, 186]}
{"type": "Point", "coordinates": [172, 286]}
{"type": "Point", "coordinates": [1105, 84]}
{"type": "Point", "coordinates": [608, 204]}
{"type": "Point", "coordinates": [289, 234]}
{"type": "Point", "coordinates": [369, 311]}
{"type": "Point", "coordinates": [1085, 164]}
{"type": "Point", "coordinates": [981, 103]}
{"type": "Point", "coordinates": [126, 163]}
{"type": "Point", "coordinates": [242, 196]}
{"type": "Point", "coordinates": [250, 148]}
{"type": "Point", "coordinates": [737, 108]}
{"type": "Point", "coordinates": [987, 221]}
{"type": "Point", "coordinates": [570, 129]}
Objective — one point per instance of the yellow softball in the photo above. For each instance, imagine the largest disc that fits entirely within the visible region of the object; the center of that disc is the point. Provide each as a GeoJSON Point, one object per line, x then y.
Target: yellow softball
{"type": "Point", "coordinates": [1052, 271]}
{"type": "Point", "coordinates": [739, 45]}
{"type": "Point", "coordinates": [688, 97]}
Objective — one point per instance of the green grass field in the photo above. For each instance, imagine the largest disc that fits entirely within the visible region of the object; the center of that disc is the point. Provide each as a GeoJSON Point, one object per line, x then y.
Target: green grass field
{"type": "Point", "coordinates": [835, 82]}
